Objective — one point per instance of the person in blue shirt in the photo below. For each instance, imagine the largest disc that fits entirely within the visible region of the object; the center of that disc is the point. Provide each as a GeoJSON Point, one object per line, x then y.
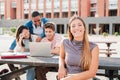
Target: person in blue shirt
{"type": "Point", "coordinates": [35, 26]}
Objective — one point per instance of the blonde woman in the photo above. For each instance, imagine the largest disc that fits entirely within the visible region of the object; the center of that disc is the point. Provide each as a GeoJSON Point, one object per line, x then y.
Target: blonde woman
{"type": "Point", "coordinates": [78, 57]}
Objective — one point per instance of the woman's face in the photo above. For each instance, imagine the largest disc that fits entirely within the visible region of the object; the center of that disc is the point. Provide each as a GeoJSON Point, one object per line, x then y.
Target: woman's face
{"type": "Point", "coordinates": [49, 33]}
{"type": "Point", "coordinates": [77, 28]}
{"type": "Point", "coordinates": [25, 33]}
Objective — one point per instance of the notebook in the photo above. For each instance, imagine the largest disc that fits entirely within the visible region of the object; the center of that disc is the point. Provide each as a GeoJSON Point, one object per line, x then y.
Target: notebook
{"type": "Point", "coordinates": [40, 49]}
{"type": "Point", "coordinates": [10, 55]}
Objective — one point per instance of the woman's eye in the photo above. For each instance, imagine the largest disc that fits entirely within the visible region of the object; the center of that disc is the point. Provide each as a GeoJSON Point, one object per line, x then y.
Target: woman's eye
{"type": "Point", "coordinates": [79, 25]}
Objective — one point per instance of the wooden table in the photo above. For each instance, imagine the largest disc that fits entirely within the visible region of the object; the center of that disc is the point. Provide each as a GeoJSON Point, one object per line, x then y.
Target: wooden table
{"type": "Point", "coordinates": [30, 61]}
{"type": "Point", "coordinates": [107, 63]}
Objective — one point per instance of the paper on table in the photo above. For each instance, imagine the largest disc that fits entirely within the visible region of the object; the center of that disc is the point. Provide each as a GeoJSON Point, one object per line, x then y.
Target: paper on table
{"type": "Point", "coordinates": [14, 53]}
{"type": "Point", "coordinates": [7, 54]}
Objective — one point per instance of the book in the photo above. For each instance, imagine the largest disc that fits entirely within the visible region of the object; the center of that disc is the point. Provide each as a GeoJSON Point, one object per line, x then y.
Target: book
{"type": "Point", "coordinates": [9, 55]}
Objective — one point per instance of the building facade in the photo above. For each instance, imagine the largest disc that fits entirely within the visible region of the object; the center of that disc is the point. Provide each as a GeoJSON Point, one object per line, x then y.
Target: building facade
{"type": "Point", "coordinates": [63, 9]}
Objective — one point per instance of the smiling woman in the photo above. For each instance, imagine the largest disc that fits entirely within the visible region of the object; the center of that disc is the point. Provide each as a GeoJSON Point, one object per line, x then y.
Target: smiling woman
{"type": "Point", "coordinates": [23, 37]}
{"type": "Point", "coordinates": [78, 57]}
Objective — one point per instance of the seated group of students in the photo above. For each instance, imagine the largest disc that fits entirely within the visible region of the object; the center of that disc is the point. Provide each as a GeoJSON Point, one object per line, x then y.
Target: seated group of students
{"type": "Point", "coordinates": [23, 37]}
{"type": "Point", "coordinates": [36, 30]}
{"type": "Point", "coordinates": [78, 58]}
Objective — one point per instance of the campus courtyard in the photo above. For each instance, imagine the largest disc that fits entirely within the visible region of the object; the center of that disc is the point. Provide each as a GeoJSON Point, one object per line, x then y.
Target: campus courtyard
{"type": "Point", "coordinates": [5, 41]}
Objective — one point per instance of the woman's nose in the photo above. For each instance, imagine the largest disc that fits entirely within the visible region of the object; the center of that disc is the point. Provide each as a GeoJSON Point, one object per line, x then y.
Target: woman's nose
{"type": "Point", "coordinates": [76, 27]}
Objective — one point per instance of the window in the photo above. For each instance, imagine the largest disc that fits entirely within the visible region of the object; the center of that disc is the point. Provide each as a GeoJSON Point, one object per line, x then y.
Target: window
{"type": "Point", "coordinates": [92, 14]}
{"type": "Point", "coordinates": [26, 16]}
{"type": "Point", "coordinates": [2, 7]}
{"type": "Point", "coordinates": [25, 1]}
{"type": "Point", "coordinates": [65, 14]}
{"type": "Point", "coordinates": [33, 5]}
{"type": "Point", "coordinates": [60, 28]}
{"type": "Point", "coordinates": [112, 12]}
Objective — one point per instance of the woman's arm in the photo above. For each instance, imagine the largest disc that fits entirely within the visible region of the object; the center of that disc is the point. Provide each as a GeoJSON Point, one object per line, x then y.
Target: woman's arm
{"type": "Point", "coordinates": [19, 49]}
{"type": "Point", "coordinates": [19, 43]}
{"type": "Point", "coordinates": [61, 71]}
{"type": "Point", "coordinates": [12, 46]}
{"type": "Point", "coordinates": [89, 73]}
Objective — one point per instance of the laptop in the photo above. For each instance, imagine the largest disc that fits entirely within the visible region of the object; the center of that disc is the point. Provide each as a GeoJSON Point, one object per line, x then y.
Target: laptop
{"type": "Point", "coordinates": [40, 49]}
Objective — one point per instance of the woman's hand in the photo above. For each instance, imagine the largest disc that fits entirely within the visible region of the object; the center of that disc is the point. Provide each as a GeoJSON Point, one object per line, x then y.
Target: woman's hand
{"type": "Point", "coordinates": [21, 36]}
{"type": "Point", "coordinates": [61, 73]}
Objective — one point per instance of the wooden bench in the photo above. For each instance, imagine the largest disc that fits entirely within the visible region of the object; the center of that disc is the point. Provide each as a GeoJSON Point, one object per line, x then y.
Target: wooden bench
{"type": "Point", "coordinates": [106, 52]}
{"type": "Point", "coordinates": [106, 48]}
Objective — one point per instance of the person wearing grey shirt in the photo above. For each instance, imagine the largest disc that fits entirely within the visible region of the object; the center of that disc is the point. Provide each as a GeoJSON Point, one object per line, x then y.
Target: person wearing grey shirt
{"type": "Point", "coordinates": [78, 57]}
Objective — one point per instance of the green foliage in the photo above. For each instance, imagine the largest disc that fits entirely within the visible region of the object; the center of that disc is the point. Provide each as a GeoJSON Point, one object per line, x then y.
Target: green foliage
{"type": "Point", "coordinates": [116, 33]}
{"type": "Point", "coordinates": [13, 29]}
{"type": "Point", "coordinates": [105, 34]}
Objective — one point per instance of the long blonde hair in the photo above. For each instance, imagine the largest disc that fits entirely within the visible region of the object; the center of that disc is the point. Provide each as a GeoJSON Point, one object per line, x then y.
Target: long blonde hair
{"type": "Point", "coordinates": [86, 55]}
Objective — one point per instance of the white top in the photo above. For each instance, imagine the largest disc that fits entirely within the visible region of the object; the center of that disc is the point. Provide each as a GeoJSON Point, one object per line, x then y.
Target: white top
{"type": "Point", "coordinates": [38, 30]}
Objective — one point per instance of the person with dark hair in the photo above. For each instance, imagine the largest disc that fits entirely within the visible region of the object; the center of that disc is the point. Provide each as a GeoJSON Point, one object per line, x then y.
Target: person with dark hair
{"type": "Point", "coordinates": [78, 58]}
{"type": "Point", "coordinates": [35, 26]}
{"type": "Point", "coordinates": [23, 37]}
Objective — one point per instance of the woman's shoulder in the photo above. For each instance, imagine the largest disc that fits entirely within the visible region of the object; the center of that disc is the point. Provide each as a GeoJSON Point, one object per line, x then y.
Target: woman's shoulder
{"type": "Point", "coordinates": [92, 45]}
{"type": "Point", "coordinates": [66, 41]}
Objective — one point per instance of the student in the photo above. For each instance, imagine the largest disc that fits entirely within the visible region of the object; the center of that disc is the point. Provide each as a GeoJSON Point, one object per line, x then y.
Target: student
{"type": "Point", "coordinates": [55, 40]}
{"type": "Point", "coordinates": [23, 37]}
{"type": "Point", "coordinates": [52, 37]}
{"type": "Point", "coordinates": [35, 26]}
{"type": "Point", "coordinates": [78, 57]}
